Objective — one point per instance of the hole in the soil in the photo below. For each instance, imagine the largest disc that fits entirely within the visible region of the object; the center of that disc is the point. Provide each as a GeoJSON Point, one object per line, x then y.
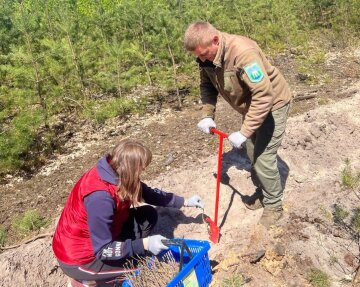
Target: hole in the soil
{"type": "Point", "coordinates": [213, 263]}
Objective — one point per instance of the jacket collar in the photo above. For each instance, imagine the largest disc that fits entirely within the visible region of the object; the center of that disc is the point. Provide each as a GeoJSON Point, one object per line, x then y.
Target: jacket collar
{"type": "Point", "coordinates": [207, 63]}
{"type": "Point", "coordinates": [106, 172]}
{"type": "Point", "coordinates": [219, 58]}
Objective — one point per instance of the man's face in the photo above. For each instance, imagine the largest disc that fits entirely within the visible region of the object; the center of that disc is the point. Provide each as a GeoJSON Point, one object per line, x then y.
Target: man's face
{"type": "Point", "coordinates": [208, 52]}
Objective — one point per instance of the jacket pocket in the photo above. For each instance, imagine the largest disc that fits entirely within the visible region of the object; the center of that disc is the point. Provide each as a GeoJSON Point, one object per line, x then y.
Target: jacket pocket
{"type": "Point", "coordinates": [232, 84]}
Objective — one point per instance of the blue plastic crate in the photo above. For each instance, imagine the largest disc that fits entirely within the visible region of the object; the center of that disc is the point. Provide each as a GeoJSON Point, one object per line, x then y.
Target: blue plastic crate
{"type": "Point", "coordinates": [196, 271]}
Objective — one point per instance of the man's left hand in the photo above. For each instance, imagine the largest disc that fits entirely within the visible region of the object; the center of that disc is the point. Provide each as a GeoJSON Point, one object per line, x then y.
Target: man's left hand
{"type": "Point", "coordinates": [194, 201]}
{"type": "Point", "coordinates": [237, 139]}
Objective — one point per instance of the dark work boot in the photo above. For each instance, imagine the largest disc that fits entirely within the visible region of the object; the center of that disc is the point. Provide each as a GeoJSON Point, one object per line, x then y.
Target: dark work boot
{"type": "Point", "coordinates": [254, 201]}
{"type": "Point", "coordinates": [271, 216]}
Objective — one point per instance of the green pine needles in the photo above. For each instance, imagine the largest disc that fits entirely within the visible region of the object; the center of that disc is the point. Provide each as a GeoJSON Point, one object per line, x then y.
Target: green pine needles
{"type": "Point", "coordinates": [350, 178]}
{"type": "Point", "coordinates": [84, 57]}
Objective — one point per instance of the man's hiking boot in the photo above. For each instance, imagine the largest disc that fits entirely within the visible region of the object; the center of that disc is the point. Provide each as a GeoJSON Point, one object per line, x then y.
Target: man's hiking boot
{"type": "Point", "coordinates": [255, 201]}
{"type": "Point", "coordinates": [271, 216]}
{"type": "Point", "coordinates": [254, 204]}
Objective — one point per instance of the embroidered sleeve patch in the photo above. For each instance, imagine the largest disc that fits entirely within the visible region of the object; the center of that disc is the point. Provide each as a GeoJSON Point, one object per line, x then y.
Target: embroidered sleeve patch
{"type": "Point", "coordinates": [254, 72]}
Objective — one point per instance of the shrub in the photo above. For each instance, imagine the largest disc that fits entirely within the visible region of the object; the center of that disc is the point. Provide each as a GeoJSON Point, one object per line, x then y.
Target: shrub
{"type": "Point", "coordinates": [16, 140]}
{"type": "Point", "coordinates": [102, 111]}
{"type": "Point", "coordinates": [30, 221]}
{"type": "Point", "coordinates": [350, 178]}
{"type": "Point", "coordinates": [339, 213]}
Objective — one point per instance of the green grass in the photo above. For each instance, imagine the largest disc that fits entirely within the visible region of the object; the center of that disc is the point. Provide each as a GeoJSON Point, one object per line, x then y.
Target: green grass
{"type": "Point", "coordinates": [333, 260]}
{"type": "Point", "coordinates": [102, 111]}
{"type": "Point", "coordinates": [318, 278]}
{"type": "Point", "coordinates": [16, 140]}
{"type": "Point", "coordinates": [30, 221]}
{"type": "Point", "coordinates": [326, 213]}
{"type": "Point", "coordinates": [349, 177]}
{"type": "Point", "coordinates": [339, 214]}
{"type": "Point", "coordinates": [3, 235]}
{"type": "Point", "coordinates": [356, 220]}
{"type": "Point", "coordinates": [310, 64]}
{"type": "Point", "coordinates": [323, 101]}
{"type": "Point", "coordinates": [233, 281]}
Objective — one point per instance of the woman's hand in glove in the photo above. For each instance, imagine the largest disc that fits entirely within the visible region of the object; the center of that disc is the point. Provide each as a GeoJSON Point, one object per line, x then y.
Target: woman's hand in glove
{"type": "Point", "coordinates": [194, 201]}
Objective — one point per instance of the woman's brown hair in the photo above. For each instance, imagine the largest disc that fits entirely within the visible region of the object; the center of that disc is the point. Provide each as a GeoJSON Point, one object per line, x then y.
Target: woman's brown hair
{"type": "Point", "coordinates": [129, 158]}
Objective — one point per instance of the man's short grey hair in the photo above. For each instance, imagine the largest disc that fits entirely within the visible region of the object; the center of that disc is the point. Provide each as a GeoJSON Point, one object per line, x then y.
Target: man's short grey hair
{"type": "Point", "coordinates": [199, 33]}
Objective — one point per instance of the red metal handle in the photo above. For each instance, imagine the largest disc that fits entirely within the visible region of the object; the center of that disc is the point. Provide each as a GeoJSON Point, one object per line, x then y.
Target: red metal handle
{"type": "Point", "coordinates": [222, 135]}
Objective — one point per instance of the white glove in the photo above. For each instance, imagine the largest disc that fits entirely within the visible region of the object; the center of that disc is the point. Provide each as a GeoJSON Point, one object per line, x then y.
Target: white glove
{"type": "Point", "coordinates": [194, 201]}
{"type": "Point", "coordinates": [237, 139]}
{"type": "Point", "coordinates": [206, 124]}
{"type": "Point", "coordinates": [154, 244]}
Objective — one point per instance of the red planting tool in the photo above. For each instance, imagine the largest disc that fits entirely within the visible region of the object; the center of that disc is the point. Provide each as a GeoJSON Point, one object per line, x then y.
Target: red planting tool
{"type": "Point", "coordinates": [214, 229]}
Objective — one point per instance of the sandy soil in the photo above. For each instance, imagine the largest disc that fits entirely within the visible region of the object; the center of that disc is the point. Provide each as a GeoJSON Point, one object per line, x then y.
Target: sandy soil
{"type": "Point", "coordinates": [318, 140]}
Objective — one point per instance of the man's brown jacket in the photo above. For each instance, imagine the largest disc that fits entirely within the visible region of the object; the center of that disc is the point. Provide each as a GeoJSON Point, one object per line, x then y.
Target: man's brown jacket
{"type": "Point", "coordinates": [244, 77]}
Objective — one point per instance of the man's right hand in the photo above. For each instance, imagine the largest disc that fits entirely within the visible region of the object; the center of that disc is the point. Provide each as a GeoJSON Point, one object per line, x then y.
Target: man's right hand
{"type": "Point", "coordinates": [206, 124]}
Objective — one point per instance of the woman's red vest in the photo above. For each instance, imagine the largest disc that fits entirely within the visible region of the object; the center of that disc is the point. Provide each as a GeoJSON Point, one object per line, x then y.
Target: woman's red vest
{"type": "Point", "coordinates": [71, 242]}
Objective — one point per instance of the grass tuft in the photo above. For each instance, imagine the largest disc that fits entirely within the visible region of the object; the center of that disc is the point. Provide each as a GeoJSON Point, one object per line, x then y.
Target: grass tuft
{"type": "Point", "coordinates": [339, 214]}
{"type": "Point", "coordinates": [318, 278]}
{"type": "Point", "coordinates": [3, 235]}
{"type": "Point", "coordinates": [233, 281]}
{"type": "Point", "coordinates": [30, 221]}
{"type": "Point", "coordinates": [350, 178]}
{"type": "Point", "coordinates": [356, 220]}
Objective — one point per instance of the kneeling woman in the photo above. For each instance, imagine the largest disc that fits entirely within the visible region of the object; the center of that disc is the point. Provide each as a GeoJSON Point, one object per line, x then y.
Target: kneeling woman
{"type": "Point", "coordinates": [103, 223]}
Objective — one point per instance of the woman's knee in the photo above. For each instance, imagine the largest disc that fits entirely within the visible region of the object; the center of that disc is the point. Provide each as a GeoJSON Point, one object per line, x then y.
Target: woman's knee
{"type": "Point", "coordinates": [147, 216]}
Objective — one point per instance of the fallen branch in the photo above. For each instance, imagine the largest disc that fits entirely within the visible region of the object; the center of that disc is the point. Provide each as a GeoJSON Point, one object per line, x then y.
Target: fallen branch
{"type": "Point", "coordinates": [27, 241]}
{"type": "Point", "coordinates": [301, 98]}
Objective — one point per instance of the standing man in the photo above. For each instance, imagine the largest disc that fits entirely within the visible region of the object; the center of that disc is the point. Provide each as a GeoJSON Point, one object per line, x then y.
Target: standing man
{"type": "Point", "coordinates": [236, 68]}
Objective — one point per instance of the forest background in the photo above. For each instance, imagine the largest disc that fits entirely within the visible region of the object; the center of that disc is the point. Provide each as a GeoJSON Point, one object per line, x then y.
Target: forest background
{"type": "Point", "coordinates": [63, 62]}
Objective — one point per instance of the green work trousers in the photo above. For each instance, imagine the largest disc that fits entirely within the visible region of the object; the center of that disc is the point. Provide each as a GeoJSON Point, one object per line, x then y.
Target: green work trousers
{"type": "Point", "coordinates": [262, 150]}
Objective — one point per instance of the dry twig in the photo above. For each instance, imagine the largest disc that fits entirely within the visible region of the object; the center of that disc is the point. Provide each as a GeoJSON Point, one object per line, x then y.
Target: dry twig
{"type": "Point", "coordinates": [154, 271]}
{"type": "Point", "coordinates": [27, 241]}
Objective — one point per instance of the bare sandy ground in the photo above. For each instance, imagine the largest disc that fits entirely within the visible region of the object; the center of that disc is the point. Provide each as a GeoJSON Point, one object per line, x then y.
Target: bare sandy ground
{"type": "Point", "coordinates": [311, 160]}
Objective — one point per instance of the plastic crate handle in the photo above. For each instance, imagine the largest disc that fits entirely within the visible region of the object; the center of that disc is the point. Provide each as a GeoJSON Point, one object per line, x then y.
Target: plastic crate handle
{"type": "Point", "coordinates": [182, 244]}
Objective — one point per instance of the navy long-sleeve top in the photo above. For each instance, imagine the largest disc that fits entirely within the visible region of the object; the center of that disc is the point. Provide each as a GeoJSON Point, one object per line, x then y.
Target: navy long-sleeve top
{"type": "Point", "coordinates": [100, 210]}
